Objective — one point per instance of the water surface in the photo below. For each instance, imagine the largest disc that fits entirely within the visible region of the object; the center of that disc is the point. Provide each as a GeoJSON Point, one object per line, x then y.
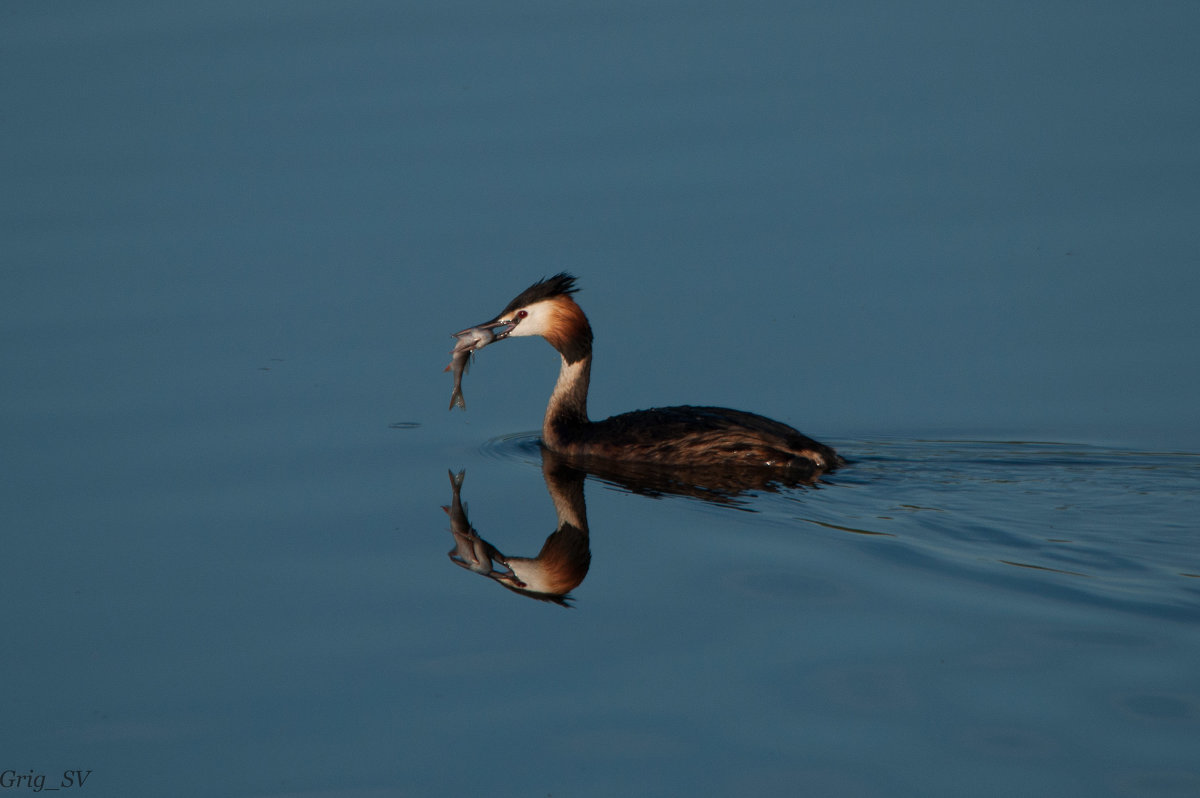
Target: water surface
{"type": "Point", "coordinates": [958, 244]}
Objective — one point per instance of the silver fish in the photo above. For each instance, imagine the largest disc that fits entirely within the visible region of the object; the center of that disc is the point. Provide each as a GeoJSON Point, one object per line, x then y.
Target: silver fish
{"type": "Point", "coordinates": [469, 342]}
{"type": "Point", "coordinates": [470, 551]}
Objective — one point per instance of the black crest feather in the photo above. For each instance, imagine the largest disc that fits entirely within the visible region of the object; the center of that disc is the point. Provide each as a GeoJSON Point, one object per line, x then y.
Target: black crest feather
{"type": "Point", "coordinates": [560, 284]}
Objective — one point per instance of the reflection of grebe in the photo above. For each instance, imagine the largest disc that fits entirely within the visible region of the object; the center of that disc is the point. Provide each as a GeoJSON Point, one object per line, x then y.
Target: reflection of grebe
{"type": "Point", "coordinates": [564, 558]}
{"type": "Point", "coordinates": [683, 436]}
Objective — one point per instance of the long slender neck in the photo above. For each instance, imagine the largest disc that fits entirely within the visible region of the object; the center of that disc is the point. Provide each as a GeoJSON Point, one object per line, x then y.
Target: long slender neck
{"type": "Point", "coordinates": [569, 332]}
{"type": "Point", "coordinates": [567, 411]}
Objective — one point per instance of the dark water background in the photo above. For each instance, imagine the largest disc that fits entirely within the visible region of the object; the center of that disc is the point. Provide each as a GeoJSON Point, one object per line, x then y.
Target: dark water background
{"type": "Point", "coordinates": [958, 243]}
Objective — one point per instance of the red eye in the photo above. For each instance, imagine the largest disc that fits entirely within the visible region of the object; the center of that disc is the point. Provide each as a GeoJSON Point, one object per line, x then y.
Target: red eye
{"type": "Point", "coordinates": [522, 314]}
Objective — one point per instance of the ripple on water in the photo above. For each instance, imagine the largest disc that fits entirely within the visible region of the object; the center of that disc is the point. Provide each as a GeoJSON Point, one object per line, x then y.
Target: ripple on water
{"type": "Point", "coordinates": [1107, 526]}
{"type": "Point", "coordinates": [520, 447]}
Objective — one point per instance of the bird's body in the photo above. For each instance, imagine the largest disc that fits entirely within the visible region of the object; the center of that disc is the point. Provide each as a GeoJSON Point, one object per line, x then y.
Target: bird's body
{"type": "Point", "coordinates": [689, 435]}
{"type": "Point", "coordinates": [683, 436]}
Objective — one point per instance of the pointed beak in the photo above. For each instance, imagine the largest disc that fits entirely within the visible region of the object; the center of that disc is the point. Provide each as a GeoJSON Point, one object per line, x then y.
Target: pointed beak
{"type": "Point", "coordinates": [500, 328]}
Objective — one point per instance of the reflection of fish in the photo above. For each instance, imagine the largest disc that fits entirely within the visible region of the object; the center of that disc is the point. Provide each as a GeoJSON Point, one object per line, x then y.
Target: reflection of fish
{"type": "Point", "coordinates": [470, 551]}
{"type": "Point", "coordinates": [469, 342]}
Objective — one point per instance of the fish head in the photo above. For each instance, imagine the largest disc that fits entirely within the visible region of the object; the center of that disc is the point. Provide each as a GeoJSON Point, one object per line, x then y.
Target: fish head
{"type": "Point", "coordinates": [481, 335]}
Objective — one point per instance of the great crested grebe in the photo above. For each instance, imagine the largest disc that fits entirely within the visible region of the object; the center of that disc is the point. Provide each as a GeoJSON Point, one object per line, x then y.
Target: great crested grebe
{"type": "Point", "coordinates": [678, 436]}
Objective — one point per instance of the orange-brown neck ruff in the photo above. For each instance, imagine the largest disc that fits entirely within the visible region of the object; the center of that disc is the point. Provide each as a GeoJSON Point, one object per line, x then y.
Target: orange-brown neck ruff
{"type": "Point", "coordinates": [569, 331]}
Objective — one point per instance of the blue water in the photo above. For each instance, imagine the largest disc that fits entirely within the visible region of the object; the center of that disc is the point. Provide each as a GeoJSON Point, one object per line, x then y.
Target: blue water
{"type": "Point", "coordinates": [959, 244]}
